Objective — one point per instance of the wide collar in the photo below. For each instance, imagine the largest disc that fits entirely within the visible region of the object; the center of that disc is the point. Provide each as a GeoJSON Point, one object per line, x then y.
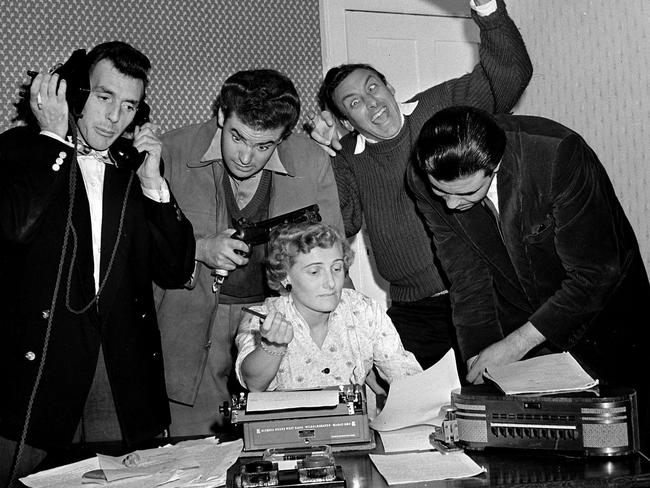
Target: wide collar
{"type": "Point", "coordinates": [207, 144]}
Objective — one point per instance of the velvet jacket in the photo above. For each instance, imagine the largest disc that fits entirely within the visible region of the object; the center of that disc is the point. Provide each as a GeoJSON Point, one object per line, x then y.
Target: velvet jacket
{"type": "Point", "coordinates": [156, 243]}
{"type": "Point", "coordinates": [186, 316]}
{"type": "Point", "coordinates": [567, 259]}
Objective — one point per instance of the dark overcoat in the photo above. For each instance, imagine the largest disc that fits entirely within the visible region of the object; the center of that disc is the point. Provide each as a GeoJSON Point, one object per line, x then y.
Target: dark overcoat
{"type": "Point", "coordinates": [156, 243]}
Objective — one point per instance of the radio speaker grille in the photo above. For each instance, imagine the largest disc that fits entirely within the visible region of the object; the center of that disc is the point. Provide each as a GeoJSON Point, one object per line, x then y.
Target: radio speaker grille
{"type": "Point", "coordinates": [472, 430]}
{"type": "Point", "coordinates": [605, 435]}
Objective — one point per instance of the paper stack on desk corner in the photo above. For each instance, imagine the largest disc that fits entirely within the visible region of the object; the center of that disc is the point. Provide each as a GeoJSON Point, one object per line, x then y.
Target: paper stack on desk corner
{"type": "Point", "coordinates": [542, 375]}
{"type": "Point", "coordinates": [201, 463]}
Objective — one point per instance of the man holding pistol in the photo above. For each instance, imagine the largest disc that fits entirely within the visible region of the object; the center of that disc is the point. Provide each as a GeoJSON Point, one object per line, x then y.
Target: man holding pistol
{"type": "Point", "coordinates": [244, 162]}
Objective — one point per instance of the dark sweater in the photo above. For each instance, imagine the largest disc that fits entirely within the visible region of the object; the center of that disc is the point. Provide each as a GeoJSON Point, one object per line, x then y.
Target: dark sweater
{"type": "Point", "coordinates": [372, 185]}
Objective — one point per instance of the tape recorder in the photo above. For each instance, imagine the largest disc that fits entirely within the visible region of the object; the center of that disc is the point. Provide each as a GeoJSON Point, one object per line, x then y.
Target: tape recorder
{"type": "Point", "coordinates": [311, 466]}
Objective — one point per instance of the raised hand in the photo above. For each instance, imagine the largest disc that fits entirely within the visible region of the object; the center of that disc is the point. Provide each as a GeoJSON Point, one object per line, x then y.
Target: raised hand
{"type": "Point", "coordinates": [48, 103]}
{"type": "Point", "coordinates": [276, 330]}
{"type": "Point", "coordinates": [323, 130]}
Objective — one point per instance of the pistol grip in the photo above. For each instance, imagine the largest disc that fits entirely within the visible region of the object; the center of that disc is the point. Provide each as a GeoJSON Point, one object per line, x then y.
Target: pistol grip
{"type": "Point", "coordinates": [239, 235]}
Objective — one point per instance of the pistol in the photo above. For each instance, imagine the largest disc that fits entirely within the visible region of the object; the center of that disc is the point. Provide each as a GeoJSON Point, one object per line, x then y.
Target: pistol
{"type": "Point", "coordinates": [254, 233]}
{"type": "Point", "coordinates": [258, 233]}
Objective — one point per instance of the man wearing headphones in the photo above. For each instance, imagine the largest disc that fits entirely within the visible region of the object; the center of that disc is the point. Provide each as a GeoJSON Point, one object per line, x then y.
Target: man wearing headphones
{"type": "Point", "coordinates": [81, 240]}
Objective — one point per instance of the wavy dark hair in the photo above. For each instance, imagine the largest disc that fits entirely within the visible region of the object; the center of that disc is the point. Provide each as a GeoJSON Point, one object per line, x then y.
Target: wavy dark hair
{"type": "Point", "coordinates": [459, 141]}
{"type": "Point", "coordinates": [288, 241]}
{"type": "Point", "coordinates": [263, 99]}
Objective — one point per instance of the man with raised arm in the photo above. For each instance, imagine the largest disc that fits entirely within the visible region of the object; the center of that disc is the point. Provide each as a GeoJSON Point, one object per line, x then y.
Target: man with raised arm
{"type": "Point", "coordinates": [370, 168]}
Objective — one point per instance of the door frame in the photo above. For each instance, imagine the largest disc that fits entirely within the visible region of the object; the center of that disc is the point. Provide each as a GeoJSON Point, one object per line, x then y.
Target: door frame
{"type": "Point", "coordinates": [334, 49]}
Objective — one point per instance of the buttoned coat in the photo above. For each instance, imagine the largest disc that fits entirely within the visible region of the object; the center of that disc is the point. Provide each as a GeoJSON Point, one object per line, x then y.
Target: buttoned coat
{"type": "Point", "coordinates": [156, 242]}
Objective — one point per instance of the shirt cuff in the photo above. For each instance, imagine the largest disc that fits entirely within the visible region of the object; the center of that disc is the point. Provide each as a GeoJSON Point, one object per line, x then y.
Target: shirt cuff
{"type": "Point", "coordinates": [57, 137]}
{"type": "Point", "coordinates": [485, 9]}
{"type": "Point", "coordinates": [160, 195]}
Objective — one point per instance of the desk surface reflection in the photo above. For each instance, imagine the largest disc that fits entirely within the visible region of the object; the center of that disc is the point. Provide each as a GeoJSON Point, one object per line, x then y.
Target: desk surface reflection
{"type": "Point", "coordinates": [510, 468]}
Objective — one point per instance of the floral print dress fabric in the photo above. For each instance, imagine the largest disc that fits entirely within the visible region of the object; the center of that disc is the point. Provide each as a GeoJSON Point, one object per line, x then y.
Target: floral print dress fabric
{"type": "Point", "coordinates": [359, 335]}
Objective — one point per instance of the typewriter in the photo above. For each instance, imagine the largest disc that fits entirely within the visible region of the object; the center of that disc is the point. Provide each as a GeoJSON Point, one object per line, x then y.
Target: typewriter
{"type": "Point", "coordinates": [289, 419]}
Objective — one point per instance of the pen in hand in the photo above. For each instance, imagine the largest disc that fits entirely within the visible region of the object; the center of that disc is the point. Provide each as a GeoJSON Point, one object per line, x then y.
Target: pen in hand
{"type": "Point", "coordinates": [253, 312]}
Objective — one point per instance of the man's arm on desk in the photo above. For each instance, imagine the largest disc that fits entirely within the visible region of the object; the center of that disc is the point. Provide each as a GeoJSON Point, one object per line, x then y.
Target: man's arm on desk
{"type": "Point", "coordinates": [511, 348]}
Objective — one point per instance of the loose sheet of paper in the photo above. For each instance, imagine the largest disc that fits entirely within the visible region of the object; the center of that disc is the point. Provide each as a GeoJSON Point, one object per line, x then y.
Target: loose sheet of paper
{"type": "Point", "coordinates": [201, 463]}
{"type": "Point", "coordinates": [424, 466]}
{"type": "Point", "coordinates": [415, 438]}
{"type": "Point", "coordinates": [417, 399]}
{"type": "Point", "coordinates": [63, 476]}
{"type": "Point", "coordinates": [552, 373]}
{"type": "Point", "coordinates": [265, 401]}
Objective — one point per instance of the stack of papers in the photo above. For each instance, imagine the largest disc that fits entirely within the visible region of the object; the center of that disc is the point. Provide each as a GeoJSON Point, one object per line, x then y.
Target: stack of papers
{"type": "Point", "coordinates": [411, 411]}
{"type": "Point", "coordinates": [417, 399]}
{"type": "Point", "coordinates": [542, 375]}
{"type": "Point", "coordinates": [200, 463]}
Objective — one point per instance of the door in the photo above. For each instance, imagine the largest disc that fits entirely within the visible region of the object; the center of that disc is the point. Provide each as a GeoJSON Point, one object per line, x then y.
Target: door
{"type": "Point", "coordinates": [416, 44]}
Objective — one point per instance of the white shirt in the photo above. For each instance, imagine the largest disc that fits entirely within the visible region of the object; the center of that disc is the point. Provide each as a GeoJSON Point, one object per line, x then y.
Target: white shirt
{"type": "Point", "coordinates": [92, 172]}
{"type": "Point", "coordinates": [492, 193]}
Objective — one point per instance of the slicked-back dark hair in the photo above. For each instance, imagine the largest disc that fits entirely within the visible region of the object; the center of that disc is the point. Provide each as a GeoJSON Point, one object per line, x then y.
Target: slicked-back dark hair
{"type": "Point", "coordinates": [333, 79]}
{"type": "Point", "coordinates": [263, 99]}
{"type": "Point", "coordinates": [126, 59]}
{"type": "Point", "coordinates": [458, 142]}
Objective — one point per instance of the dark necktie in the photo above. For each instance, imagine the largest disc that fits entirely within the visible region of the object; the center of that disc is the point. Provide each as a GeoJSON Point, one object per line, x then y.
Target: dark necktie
{"type": "Point", "coordinates": [488, 205]}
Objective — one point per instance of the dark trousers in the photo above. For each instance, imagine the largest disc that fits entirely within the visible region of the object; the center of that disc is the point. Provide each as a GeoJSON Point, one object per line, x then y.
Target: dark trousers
{"type": "Point", "coordinates": [426, 329]}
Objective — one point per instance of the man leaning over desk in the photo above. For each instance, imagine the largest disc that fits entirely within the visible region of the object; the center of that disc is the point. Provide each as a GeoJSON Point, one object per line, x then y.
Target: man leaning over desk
{"type": "Point", "coordinates": [536, 245]}
{"type": "Point", "coordinates": [244, 162]}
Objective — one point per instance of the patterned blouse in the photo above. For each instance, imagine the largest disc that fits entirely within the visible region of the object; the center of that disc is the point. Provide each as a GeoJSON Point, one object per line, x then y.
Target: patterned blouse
{"type": "Point", "coordinates": [359, 335]}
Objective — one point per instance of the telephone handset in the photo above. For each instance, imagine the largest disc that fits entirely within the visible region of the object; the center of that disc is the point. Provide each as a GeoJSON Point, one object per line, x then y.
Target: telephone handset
{"type": "Point", "coordinates": [122, 153]}
{"type": "Point", "coordinates": [76, 72]}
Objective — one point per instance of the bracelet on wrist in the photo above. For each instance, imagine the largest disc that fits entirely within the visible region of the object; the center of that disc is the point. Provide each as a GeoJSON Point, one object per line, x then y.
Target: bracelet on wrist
{"type": "Point", "coordinates": [268, 351]}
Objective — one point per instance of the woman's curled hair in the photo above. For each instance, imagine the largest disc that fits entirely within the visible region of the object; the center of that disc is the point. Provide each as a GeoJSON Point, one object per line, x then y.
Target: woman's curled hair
{"type": "Point", "coordinates": [288, 241]}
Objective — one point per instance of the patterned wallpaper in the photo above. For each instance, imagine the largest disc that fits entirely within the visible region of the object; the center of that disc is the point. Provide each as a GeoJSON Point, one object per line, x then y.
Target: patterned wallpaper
{"type": "Point", "coordinates": [592, 73]}
{"type": "Point", "coordinates": [194, 45]}
{"type": "Point", "coordinates": [591, 61]}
